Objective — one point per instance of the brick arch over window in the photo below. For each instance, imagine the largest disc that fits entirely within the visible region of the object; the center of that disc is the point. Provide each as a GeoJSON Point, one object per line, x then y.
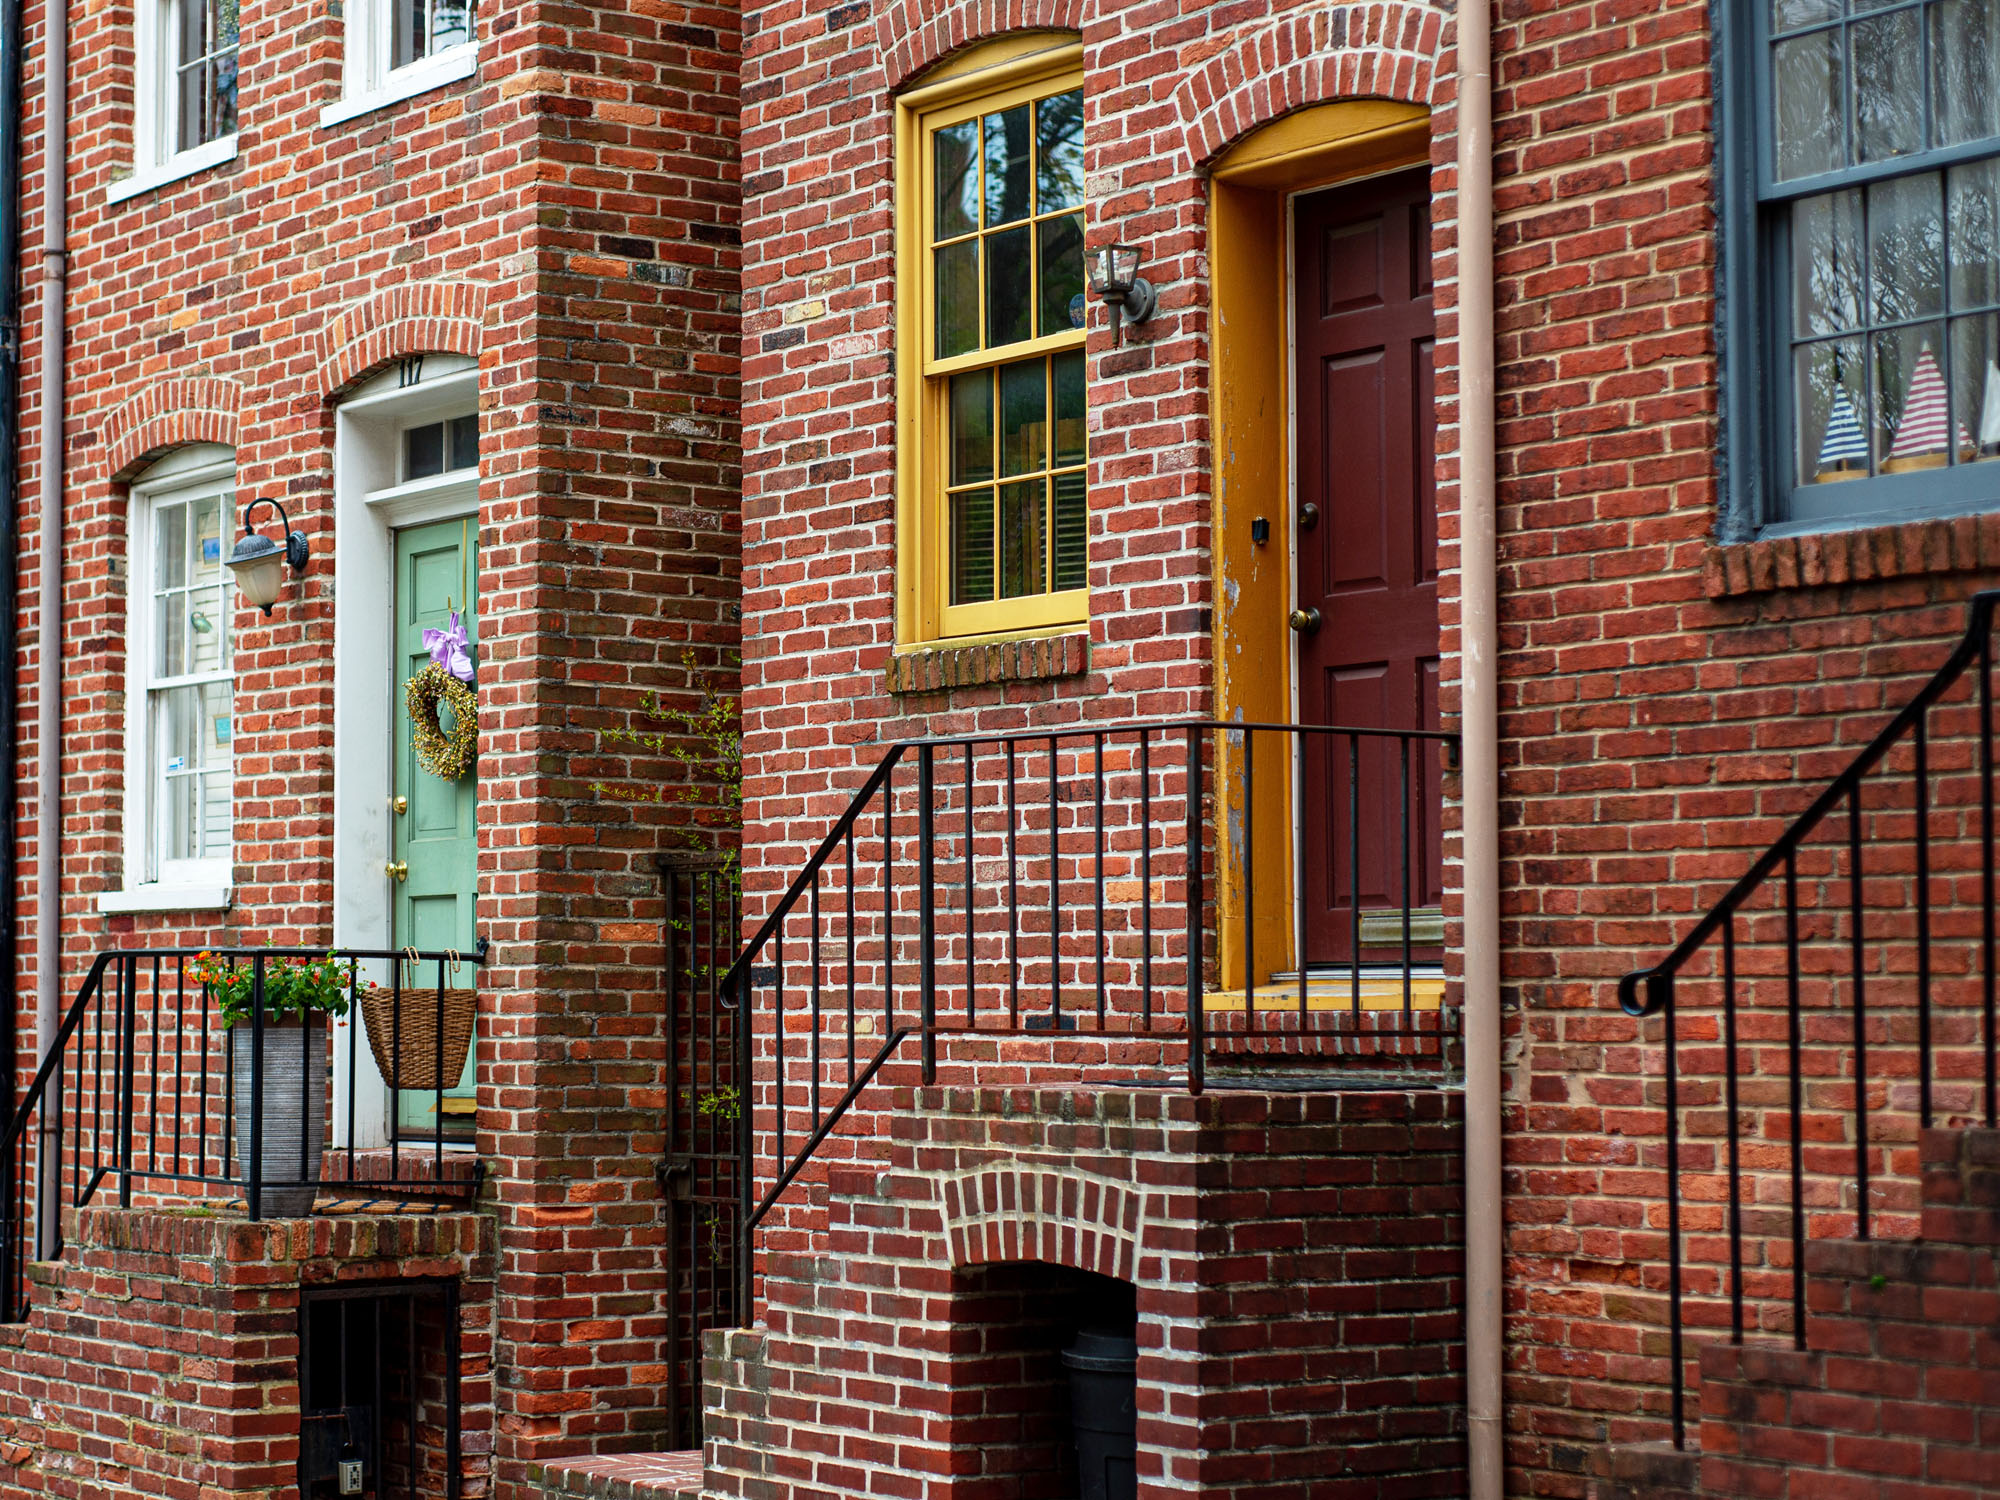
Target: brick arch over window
{"type": "Point", "coordinates": [1009, 1212]}
{"type": "Point", "coordinates": [169, 415]}
{"type": "Point", "coordinates": [416, 317]}
{"type": "Point", "coordinates": [1307, 57]}
{"type": "Point", "coordinates": [913, 34]}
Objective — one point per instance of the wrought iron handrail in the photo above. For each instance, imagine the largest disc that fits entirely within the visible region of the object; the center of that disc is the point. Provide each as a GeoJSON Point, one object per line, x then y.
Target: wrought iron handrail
{"type": "Point", "coordinates": [956, 868]}
{"type": "Point", "coordinates": [1651, 991]}
{"type": "Point", "coordinates": [173, 1108]}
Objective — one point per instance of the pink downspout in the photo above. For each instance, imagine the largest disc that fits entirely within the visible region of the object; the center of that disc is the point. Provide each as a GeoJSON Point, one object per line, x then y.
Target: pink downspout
{"type": "Point", "coordinates": [49, 605]}
{"type": "Point", "coordinates": [1478, 561]}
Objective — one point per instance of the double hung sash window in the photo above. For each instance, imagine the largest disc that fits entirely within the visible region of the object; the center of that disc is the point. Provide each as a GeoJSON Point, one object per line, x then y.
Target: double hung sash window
{"type": "Point", "coordinates": [1002, 507]}
{"type": "Point", "coordinates": [180, 681]}
{"type": "Point", "coordinates": [1877, 196]}
{"type": "Point", "coordinates": [397, 49]}
{"type": "Point", "coordinates": [184, 91]}
{"type": "Point", "coordinates": [425, 28]}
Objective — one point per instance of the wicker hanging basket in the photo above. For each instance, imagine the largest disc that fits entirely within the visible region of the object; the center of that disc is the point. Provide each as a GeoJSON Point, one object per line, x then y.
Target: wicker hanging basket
{"type": "Point", "coordinates": [415, 1041]}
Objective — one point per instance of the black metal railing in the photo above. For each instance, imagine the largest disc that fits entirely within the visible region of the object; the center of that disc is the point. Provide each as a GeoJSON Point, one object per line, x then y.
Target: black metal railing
{"type": "Point", "coordinates": [1181, 880]}
{"type": "Point", "coordinates": [701, 1172]}
{"type": "Point", "coordinates": [1838, 998]}
{"type": "Point", "coordinates": [143, 1088]}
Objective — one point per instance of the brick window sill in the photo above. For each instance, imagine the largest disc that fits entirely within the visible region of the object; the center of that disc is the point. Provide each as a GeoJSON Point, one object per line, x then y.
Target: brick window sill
{"type": "Point", "coordinates": [940, 668]}
{"type": "Point", "coordinates": [1831, 558]}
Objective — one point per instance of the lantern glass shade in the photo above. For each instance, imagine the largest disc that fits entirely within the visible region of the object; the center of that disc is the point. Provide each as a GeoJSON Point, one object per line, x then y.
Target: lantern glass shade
{"type": "Point", "coordinates": [259, 566]}
{"type": "Point", "coordinates": [1113, 269]}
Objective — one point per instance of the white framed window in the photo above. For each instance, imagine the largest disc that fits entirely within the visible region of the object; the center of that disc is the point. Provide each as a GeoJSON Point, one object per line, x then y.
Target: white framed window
{"type": "Point", "coordinates": [179, 686]}
{"type": "Point", "coordinates": [184, 90]}
{"type": "Point", "coordinates": [397, 49]}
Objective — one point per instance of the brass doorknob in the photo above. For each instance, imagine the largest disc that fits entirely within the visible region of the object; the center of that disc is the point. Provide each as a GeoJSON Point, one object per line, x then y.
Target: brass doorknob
{"type": "Point", "coordinates": [1304, 621]}
{"type": "Point", "coordinates": [397, 869]}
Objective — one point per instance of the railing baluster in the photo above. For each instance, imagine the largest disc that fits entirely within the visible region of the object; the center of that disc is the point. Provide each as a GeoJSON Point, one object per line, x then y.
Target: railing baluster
{"type": "Point", "coordinates": [1793, 1049]}
{"type": "Point", "coordinates": [1989, 940]}
{"type": "Point", "coordinates": [1197, 1041]}
{"type": "Point", "coordinates": [1733, 1127]}
{"type": "Point", "coordinates": [926, 911]}
{"type": "Point", "coordinates": [1055, 888]}
{"type": "Point", "coordinates": [1855, 947]}
{"type": "Point", "coordinates": [1403, 803]}
{"type": "Point", "coordinates": [1248, 890]}
{"type": "Point", "coordinates": [1301, 748]}
{"type": "Point", "coordinates": [849, 843]}
{"type": "Point", "coordinates": [1097, 868]}
{"type": "Point", "coordinates": [813, 958]}
{"type": "Point", "coordinates": [1013, 901]}
{"type": "Point", "coordinates": [1145, 881]}
{"type": "Point", "coordinates": [971, 980]}
{"type": "Point", "coordinates": [1354, 867]}
{"type": "Point", "coordinates": [1674, 1227]}
{"type": "Point", "coordinates": [1923, 837]}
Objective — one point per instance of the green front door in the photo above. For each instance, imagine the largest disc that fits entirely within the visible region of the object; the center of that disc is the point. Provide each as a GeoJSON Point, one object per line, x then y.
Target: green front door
{"type": "Point", "coordinates": [436, 839]}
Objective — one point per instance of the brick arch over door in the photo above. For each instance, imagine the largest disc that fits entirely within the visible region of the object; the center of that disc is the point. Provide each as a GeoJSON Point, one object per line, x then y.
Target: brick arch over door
{"type": "Point", "coordinates": [1307, 57]}
{"type": "Point", "coordinates": [1009, 1211]}
{"type": "Point", "coordinates": [913, 34]}
{"type": "Point", "coordinates": [169, 415]}
{"type": "Point", "coordinates": [415, 317]}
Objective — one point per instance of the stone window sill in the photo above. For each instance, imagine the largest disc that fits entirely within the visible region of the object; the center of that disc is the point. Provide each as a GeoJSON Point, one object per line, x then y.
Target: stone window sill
{"type": "Point", "coordinates": [941, 667]}
{"type": "Point", "coordinates": [167, 898]}
{"type": "Point", "coordinates": [1824, 559]}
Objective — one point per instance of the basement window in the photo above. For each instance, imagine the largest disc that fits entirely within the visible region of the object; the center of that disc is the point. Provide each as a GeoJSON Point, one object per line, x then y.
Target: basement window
{"type": "Point", "coordinates": [397, 49]}
{"type": "Point", "coordinates": [184, 91]}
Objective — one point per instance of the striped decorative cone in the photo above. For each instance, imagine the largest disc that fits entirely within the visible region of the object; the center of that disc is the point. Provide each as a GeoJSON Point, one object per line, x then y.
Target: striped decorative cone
{"type": "Point", "coordinates": [1925, 426]}
{"type": "Point", "coordinates": [1844, 443]}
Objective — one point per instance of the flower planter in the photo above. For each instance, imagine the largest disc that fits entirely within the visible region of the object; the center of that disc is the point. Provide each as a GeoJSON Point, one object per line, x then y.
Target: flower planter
{"type": "Point", "coordinates": [292, 1122]}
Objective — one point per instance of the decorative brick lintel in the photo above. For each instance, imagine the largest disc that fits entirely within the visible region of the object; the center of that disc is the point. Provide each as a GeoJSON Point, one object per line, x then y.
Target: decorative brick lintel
{"type": "Point", "coordinates": [937, 669]}
{"type": "Point", "coordinates": [1906, 549]}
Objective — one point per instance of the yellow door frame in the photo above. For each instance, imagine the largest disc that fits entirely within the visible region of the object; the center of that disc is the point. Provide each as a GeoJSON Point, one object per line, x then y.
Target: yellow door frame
{"type": "Point", "coordinates": [1251, 440]}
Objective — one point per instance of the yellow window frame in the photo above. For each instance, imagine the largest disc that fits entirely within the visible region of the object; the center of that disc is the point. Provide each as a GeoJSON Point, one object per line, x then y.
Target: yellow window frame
{"type": "Point", "coordinates": [997, 76]}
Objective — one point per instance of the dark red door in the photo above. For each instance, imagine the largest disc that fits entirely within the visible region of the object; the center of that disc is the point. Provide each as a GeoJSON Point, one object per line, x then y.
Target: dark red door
{"type": "Point", "coordinates": [1367, 557]}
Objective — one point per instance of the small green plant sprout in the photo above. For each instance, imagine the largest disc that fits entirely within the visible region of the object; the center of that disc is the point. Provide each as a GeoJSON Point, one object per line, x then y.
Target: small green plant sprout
{"type": "Point", "coordinates": [722, 1103]}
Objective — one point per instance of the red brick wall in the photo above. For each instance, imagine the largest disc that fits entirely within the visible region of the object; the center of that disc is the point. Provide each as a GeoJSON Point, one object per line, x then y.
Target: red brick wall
{"type": "Point", "coordinates": [569, 217]}
{"type": "Point", "coordinates": [163, 1357]}
{"type": "Point", "coordinates": [1298, 1272]}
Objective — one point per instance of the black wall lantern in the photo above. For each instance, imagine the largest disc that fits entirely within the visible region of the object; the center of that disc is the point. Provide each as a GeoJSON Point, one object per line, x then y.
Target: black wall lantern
{"type": "Point", "coordinates": [1114, 276]}
{"type": "Point", "coordinates": [259, 563]}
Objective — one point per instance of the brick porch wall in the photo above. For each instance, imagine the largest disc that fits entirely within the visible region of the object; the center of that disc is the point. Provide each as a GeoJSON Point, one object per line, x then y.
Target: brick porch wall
{"type": "Point", "coordinates": [162, 1359]}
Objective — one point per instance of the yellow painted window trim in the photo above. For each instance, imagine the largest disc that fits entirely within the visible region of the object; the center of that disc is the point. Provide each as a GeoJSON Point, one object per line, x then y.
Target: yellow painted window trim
{"type": "Point", "coordinates": [1006, 72]}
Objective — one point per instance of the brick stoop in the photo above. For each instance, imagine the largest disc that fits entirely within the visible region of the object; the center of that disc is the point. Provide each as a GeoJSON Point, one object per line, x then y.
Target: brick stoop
{"type": "Point", "coordinates": [629, 1476]}
{"type": "Point", "coordinates": [1896, 1395]}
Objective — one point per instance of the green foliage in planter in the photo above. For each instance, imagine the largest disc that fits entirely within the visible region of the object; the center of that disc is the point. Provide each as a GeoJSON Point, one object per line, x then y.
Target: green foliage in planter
{"type": "Point", "coordinates": [294, 988]}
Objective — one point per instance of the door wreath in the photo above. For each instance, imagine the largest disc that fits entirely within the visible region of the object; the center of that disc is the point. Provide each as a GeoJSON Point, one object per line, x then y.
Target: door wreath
{"type": "Point", "coordinates": [446, 753]}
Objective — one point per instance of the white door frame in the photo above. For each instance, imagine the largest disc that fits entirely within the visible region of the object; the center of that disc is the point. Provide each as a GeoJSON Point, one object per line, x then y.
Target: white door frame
{"type": "Point", "coordinates": [370, 503]}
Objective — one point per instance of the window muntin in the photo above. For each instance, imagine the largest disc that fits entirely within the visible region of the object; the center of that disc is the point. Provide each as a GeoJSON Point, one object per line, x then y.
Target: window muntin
{"type": "Point", "coordinates": [1003, 431]}
{"type": "Point", "coordinates": [1880, 186]}
{"type": "Point", "coordinates": [204, 71]}
{"type": "Point", "coordinates": [420, 29]}
{"type": "Point", "coordinates": [181, 772]}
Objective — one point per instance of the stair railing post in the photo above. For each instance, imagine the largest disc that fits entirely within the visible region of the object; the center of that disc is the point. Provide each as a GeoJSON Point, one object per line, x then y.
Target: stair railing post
{"type": "Point", "coordinates": [253, 1194]}
{"type": "Point", "coordinates": [128, 1068]}
{"type": "Point", "coordinates": [1197, 1041]}
{"type": "Point", "coordinates": [926, 912]}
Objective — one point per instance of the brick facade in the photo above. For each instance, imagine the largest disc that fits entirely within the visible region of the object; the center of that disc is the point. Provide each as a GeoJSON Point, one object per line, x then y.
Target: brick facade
{"type": "Point", "coordinates": [567, 217]}
{"type": "Point", "coordinates": [1297, 1271]}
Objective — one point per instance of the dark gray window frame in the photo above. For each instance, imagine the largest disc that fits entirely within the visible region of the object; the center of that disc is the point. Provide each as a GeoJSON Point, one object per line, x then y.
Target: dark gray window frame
{"type": "Point", "coordinates": [1756, 454]}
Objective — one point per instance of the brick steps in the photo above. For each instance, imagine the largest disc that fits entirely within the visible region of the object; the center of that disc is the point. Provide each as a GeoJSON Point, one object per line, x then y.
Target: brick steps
{"type": "Point", "coordinates": [629, 1476]}
{"type": "Point", "coordinates": [1897, 1393]}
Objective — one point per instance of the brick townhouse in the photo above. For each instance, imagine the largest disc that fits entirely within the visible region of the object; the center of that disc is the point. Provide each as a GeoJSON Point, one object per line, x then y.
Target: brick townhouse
{"type": "Point", "coordinates": [1367, 859]}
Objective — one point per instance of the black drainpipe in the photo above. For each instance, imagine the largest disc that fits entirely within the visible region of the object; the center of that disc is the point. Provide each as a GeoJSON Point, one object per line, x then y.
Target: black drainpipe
{"type": "Point", "coordinates": [11, 175]}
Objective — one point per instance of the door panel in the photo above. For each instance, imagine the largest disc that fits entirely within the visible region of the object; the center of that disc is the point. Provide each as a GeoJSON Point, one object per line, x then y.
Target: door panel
{"type": "Point", "coordinates": [1366, 437]}
{"type": "Point", "coordinates": [436, 833]}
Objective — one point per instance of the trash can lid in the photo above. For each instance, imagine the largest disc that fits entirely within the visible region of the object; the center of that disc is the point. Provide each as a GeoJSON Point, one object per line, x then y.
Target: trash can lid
{"type": "Point", "coordinates": [1100, 1349]}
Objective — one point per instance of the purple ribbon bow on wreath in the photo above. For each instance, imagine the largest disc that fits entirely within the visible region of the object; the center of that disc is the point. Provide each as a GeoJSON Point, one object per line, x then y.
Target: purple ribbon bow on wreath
{"type": "Point", "coordinates": [450, 649]}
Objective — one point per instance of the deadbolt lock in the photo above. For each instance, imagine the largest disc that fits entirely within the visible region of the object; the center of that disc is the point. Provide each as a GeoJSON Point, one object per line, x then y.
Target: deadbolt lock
{"type": "Point", "coordinates": [402, 805]}
{"type": "Point", "coordinates": [1304, 621]}
{"type": "Point", "coordinates": [398, 869]}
